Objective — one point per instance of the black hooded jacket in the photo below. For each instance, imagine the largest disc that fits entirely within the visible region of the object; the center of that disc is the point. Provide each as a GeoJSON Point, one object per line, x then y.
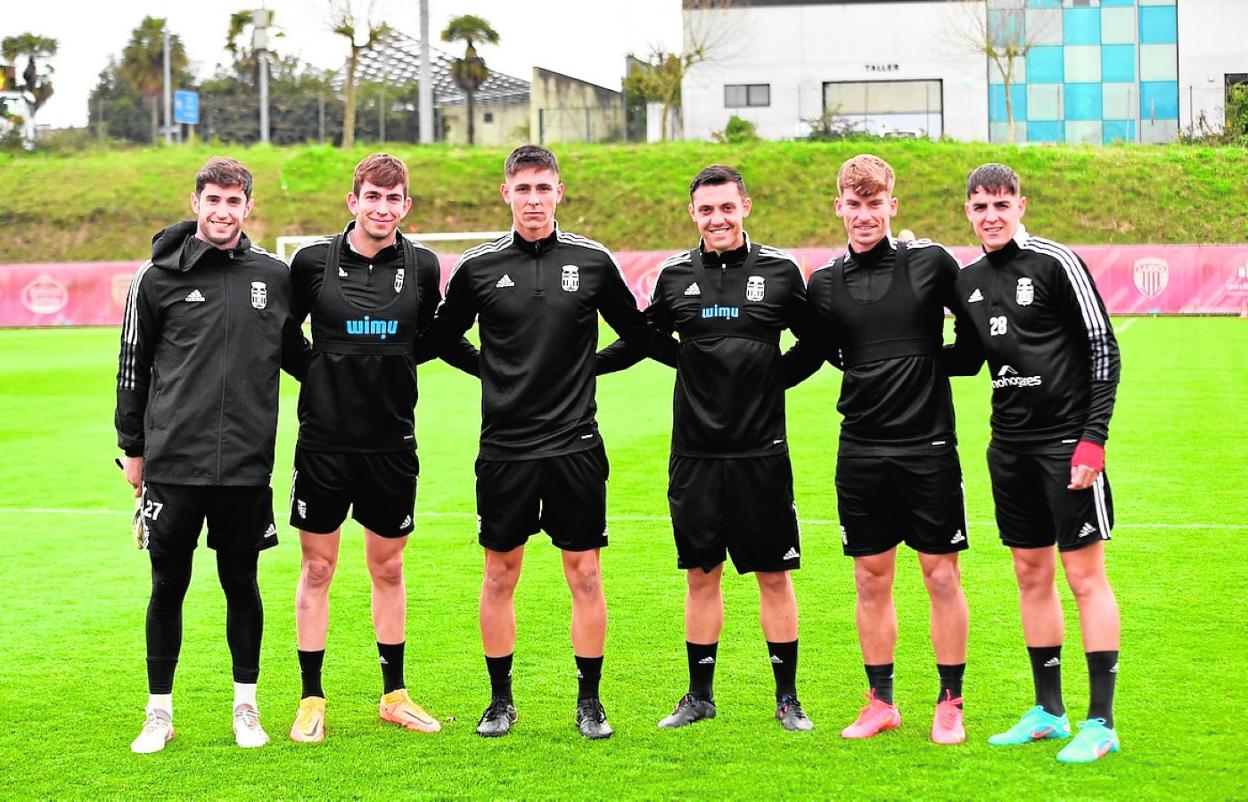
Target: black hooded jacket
{"type": "Point", "coordinates": [204, 335]}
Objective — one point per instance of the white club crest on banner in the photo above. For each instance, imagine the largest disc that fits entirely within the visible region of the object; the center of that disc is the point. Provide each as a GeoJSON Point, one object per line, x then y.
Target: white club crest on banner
{"type": "Point", "coordinates": [1151, 275]}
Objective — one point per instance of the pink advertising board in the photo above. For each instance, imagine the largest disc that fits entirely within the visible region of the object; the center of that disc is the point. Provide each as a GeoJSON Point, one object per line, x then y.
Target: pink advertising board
{"type": "Point", "coordinates": [1133, 280]}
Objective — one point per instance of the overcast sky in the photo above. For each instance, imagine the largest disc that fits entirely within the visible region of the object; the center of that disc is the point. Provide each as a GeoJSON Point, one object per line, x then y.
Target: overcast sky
{"type": "Point", "coordinates": [587, 39]}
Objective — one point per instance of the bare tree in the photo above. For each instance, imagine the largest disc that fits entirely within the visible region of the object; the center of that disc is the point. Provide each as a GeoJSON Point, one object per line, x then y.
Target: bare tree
{"type": "Point", "coordinates": [358, 22]}
{"type": "Point", "coordinates": [709, 28]}
{"type": "Point", "coordinates": [998, 30]}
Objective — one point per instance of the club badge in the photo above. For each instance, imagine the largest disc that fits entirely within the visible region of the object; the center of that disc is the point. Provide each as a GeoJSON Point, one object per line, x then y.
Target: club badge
{"type": "Point", "coordinates": [398, 280]}
{"type": "Point", "coordinates": [571, 278]}
{"type": "Point", "coordinates": [259, 294]}
{"type": "Point", "coordinates": [1025, 293]}
{"type": "Point", "coordinates": [754, 288]}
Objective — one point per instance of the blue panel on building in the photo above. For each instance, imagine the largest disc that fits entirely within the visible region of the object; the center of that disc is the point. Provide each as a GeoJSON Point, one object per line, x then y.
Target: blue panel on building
{"type": "Point", "coordinates": [1045, 132]}
{"type": "Point", "coordinates": [1159, 100]}
{"type": "Point", "coordinates": [1117, 63]}
{"type": "Point", "coordinates": [1117, 131]}
{"type": "Point", "coordinates": [1117, 3]}
{"type": "Point", "coordinates": [1082, 101]}
{"type": "Point", "coordinates": [1044, 3]}
{"type": "Point", "coordinates": [1045, 65]}
{"type": "Point", "coordinates": [996, 102]}
{"type": "Point", "coordinates": [1158, 25]}
{"type": "Point", "coordinates": [1081, 26]}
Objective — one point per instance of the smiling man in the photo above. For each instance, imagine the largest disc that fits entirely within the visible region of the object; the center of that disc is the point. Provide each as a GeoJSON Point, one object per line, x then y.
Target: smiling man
{"type": "Point", "coordinates": [372, 294]}
{"type": "Point", "coordinates": [207, 325]}
{"type": "Point", "coordinates": [1040, 323]}
{"type": "Point", "coordinates": [536, 294]}
{"type": "Point", "coordinates": [730, 486]}
{"type": "Point", "coordinates": [898, 479]}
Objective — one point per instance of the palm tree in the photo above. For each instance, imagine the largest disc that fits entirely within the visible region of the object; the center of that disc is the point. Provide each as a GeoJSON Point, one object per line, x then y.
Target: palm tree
{"type": "Point", "coordinates": [34, 48]}
{"type": "Point", "coordinates": [346, 21]}
{"type": "Point", "coordinates": [143, 62]}
{"type": "Point", "coordinates": [470, 71]}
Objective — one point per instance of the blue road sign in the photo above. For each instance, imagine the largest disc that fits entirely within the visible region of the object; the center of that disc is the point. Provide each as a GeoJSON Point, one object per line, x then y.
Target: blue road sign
{"type": "Point", "coordinates": [186, 107]}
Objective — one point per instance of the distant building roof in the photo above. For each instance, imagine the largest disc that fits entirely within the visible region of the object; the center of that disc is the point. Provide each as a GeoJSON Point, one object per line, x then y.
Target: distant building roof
{"type": "Point", "coordinates": [396, 58]}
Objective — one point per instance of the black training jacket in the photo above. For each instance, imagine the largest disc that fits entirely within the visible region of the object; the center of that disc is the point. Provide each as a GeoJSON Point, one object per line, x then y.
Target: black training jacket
{"type": "Point", "coordinates": [729, 311]}
{"type": "Point", "coordinates": [204, 334]}
{"type": "Point", "coordinates": [537, 306]}
{"type": "Point", "coordinates": [884, 309]}
{"type": "Point", "coordinates": [360, 391]}
{"type": "Point", "coordinates": [1041, 325]}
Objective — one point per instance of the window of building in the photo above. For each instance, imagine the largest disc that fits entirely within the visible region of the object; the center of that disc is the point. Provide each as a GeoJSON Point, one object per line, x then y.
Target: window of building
{"type": "Point", "coordinates": [888, 107]}
{"type": "Point", "coordinates": [739, 95]}
{"type": "Point", "coordinates": [488, 117]}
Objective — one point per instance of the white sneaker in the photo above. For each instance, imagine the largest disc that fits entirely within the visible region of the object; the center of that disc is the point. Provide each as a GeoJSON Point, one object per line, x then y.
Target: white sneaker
{"type": "Point", "coordinates": [157, 731]}
{"type": "Point", "coordinates": [247, 730]}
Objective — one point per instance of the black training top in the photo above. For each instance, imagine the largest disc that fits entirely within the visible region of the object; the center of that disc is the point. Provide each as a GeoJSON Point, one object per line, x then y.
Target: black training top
{"type": "Point", "coordinates": [728, 310]}
{"type": "Point", "coordinates": [370, 322]}
{"type": "Point", "coordinates": [537, 306]}
{"type": "Point", "coordinates": [1043, 328]}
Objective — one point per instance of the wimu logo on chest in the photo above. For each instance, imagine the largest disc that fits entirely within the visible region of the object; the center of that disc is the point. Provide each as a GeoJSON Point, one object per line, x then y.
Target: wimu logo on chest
{"type": "Point", "coordinates": [367, 328]}
{"type": "Point", "coordinates": [721, 311]}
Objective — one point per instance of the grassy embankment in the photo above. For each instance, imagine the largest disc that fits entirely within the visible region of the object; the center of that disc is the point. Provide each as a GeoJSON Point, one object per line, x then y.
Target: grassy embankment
{"type": "Point", "coordinates": [103, 205]}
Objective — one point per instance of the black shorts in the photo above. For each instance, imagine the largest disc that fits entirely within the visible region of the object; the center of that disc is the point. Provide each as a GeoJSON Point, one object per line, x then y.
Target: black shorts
{"type": "Point", "coordinates": [239, 518]}
{"type": "Point", "coordinates": [1034, 508]}
{"type": "Point", "coordinates": [379, 488]}
{"type": "Point", "coordinates": [565, 495]}
{"type": "Point", "coordinates": [883, 501]}
{"type": "Point", "coordinates": [738, 507]}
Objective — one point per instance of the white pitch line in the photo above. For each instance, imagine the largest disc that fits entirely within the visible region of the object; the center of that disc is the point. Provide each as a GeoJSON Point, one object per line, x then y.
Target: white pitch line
{"type": "Point", "coordinates": [1126, 324]}
{"type": "Point", "coordinates": [634, 518]}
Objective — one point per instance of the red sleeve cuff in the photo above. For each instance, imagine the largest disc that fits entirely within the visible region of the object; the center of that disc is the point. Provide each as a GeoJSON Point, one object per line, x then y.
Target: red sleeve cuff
{"type": "Point", "coordinates": [1089, 454]}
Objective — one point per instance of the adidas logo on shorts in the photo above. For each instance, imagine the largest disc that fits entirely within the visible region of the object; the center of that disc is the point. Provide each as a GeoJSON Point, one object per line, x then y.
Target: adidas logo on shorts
{"type": "Point", "coordinates": [271, 531]}
{"type": "Point", "coordinates": [1087, 530]}
{"type": "Point", "coordinates": [1052, 662]}
{"type": "Point", "coordinates": [301, 507]}
{"type": "Point", "coordinates": [406, 522]}
{"type": "Point", "coordinates": [791, 554]}
{"type": "Point", "coordinates": [958, 537]}
{"type": "Point", "coordinates": [505, 281]}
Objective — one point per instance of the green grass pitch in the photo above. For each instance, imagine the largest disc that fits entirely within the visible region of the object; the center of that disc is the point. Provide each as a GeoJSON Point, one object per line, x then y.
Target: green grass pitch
{"type": "Point", "coordinates": [73, 592]}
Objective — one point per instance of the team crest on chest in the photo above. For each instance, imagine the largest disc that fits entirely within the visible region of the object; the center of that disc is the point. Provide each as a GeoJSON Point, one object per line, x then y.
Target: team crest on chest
{"type": "Point", "coordinates": [259, 294]}
{"type": "Point", "coordinates": [398, 280]}
{"type": "Point", "coordinates": [754, 288]}
{"type": "Point", "coordinates": [570, 279]}
{"type": "Point", "coordinates": [1025, 293]}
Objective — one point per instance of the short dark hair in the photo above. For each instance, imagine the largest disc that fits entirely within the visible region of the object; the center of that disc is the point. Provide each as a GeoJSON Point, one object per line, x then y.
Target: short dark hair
{"type": "Point", "coordinates": [225, 173]}
{"type": "Point", "coordinates": [716, 175]}
{"type": "Point", "coordinates": [380, 169]}
{"type": "Point", "coordinates": [530, 157]}
{"type": "Point", "coordinates": [993, 178]}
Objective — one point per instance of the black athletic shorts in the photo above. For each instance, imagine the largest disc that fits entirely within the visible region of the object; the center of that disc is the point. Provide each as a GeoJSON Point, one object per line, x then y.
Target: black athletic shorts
{"type": "Point", "coordinates": [380, 489]}
{"type": "Point", "coordinates": [564, 495]}
{"type": "Point", "coordinates": [1034, 508]}
{"type": "Point", "coordinates": [883, 501]}
{"type": "Point", "coordinates": [738, 507]}
{"type": "Point", "coordinates": [239, 518]}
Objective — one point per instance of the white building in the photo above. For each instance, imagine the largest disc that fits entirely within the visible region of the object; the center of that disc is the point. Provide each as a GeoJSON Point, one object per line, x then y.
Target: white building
{"type": "Point", "coordinates": [1096, 71]}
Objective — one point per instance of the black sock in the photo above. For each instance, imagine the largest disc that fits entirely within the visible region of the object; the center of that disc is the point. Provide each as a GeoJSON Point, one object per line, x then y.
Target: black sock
{"type": "Point", "coordinates": [390, 655]}
{"type": "Point", "coordinates": [1102, 671]}
{"type": "Point", "coordinates": [1046, 674]}
{"type": "Point", "coordinates": [500, 676]}
{"type": "Point", "coordinates": [588, 672]}
{"type": "Point", "coordinates": [702, 668]}
{"type": "Point", "coordinates": [950, 681]}
{"type": "Point", "coordinates": [880, 678]}
{"type": "Point", "coordinates": [310, 669]}
{"type": "Point", "coordinates": [784, 667]}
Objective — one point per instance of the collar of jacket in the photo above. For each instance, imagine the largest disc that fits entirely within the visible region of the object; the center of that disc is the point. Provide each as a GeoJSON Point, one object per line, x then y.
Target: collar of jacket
{"type": "Point", "coordinates": [537, 247]}
{"type": "Point", "coordinates": [733, 258]}
{"type": "Point", "coordinates": [873, 255]}
{"type": "Point", "coordinates": [1007, 252]}
{"type": "Point", "coordinates": [177, 247]}
{"type": "Point", "coordinates": [383, 255]}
